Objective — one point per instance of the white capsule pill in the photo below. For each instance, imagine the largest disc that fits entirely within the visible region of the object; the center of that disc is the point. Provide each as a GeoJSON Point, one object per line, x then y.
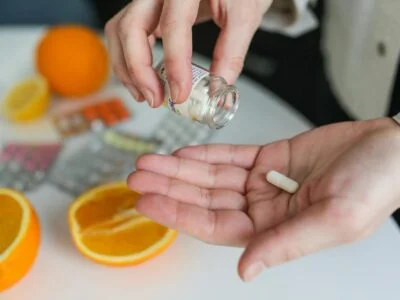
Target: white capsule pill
{"type": "Point", "coordinates": [281, 181]}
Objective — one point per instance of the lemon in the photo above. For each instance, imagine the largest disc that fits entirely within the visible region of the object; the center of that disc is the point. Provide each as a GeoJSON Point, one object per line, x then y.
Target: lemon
{"type": "Point", "coordinates": [27, 100]}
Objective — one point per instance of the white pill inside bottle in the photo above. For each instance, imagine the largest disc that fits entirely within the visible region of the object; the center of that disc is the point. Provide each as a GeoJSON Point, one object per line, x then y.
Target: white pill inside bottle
{"type": "Point", "coordinates": [281, 181]}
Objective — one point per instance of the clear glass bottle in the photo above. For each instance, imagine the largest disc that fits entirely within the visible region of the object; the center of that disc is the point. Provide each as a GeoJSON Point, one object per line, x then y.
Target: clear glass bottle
{"type": "Point", "coordinates": [212, 100]}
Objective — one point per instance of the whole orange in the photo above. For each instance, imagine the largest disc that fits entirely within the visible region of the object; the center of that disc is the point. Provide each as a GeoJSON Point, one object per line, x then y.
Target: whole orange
{"type": "Point", "coordinates": [73, 59]}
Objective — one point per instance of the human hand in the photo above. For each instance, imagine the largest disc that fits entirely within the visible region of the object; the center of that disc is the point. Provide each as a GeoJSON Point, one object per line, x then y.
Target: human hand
{"type": "Point", "coordinates": [133, 30]}
{"type": "Point", "coordinates": [348, 175]}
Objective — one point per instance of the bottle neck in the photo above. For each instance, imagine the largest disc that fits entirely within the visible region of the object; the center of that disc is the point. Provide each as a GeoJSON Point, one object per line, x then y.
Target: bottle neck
{"type": "Point", "coordinates": [223, 104]}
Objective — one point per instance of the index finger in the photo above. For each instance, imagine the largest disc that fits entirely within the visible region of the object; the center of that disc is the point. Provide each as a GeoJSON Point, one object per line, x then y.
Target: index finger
{"type": "Point", "coordinates": [242, 156]}
{"type": "Point", "coordinates": [222, 227]}
{"type": "Point", "coordinates": [177, 19]}
{"type": "Point", "coordinates": [195, 172]}
{"type": "Point", "coordinates": [136, 25]}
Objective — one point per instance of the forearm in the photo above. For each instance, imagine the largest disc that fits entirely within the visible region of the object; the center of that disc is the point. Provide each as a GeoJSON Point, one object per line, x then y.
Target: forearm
{"type": "Point", "coordinates": [389, 128]}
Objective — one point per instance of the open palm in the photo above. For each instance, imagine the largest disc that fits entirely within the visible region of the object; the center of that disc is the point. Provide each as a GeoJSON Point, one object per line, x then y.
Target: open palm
{"type": "Point", "coordinates": [219, 194]}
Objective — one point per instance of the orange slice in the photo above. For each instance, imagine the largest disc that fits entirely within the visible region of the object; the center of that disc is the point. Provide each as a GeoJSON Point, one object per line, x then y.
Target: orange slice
{"type": "Point", "coordinates": [106, 228]}
{"type": "Point", "coordinates": [19, 237]}
{"type": "Point", "coordinates": [28, 100]}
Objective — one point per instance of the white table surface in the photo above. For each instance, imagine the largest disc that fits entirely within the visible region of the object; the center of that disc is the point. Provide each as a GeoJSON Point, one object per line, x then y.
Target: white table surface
{"type": "Point", "coordinates": [189, 269]}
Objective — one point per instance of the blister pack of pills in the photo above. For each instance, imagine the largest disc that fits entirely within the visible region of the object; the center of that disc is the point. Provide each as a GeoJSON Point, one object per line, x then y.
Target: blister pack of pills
{"type": "Point", "coordinates": [175, 131]}
{"type": "Point", "coordinates": [107, 157]}
{"type": "Point", "coordinates": [93, 117]}
{"type": "Point", "coordinates": [111, 155]}
{"type": "Point", "coordinates": [24, 166]}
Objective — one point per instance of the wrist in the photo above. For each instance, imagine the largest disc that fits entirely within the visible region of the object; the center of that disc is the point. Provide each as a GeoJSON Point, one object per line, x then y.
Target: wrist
{"type": "Point", "coordinates": [389, 130]}
{"type": "Point", "coordinates": [389, 123]}
{"type": "Point", "coordinates": [380, 124]}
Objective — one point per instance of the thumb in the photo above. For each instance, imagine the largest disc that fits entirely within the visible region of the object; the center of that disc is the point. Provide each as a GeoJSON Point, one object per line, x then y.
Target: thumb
{"type": "Point", "coordinates": [311, 230]}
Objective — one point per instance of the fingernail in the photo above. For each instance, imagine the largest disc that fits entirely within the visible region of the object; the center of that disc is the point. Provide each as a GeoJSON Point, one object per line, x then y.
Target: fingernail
{"type": "Point", "coordinates": [141, 97]}
{"type": "Point", "coordinates": [134, 92]}
{"type": "Point", "coordinates": [149, 97]}
{"type": "Point", "coordinates": [174, 88]}
{"type": "Point", "coordinates": [252, 271]}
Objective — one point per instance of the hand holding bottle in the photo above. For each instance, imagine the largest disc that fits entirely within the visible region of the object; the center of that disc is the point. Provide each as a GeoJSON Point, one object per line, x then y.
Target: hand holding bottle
{"type": "Point", "coordinates": [132, 31]}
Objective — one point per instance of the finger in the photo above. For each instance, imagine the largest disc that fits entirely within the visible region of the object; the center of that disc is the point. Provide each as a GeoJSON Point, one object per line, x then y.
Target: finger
{"type": "Point", "coordinates": [223, 227]}
{"type": "Point", "coordinates": [203, 16]}
{"type": "Point", "coordinates": [157, 32]}
{"type": "Point", "coordinates": [195, 172]}
{"type": "Point", "coordinates": [152, 40]}
{"type": "Point", "coordinates": [204, 13]}
{"type": "Point", "coordinates": [115, 50]}
{"type": "Point", "coordinates": [307, 232]}
{"type": "Point", "coordinates": [137, 24]}
{"type": "Point", "coordinates": [146, 182]}
{"type": "Point", "coordinates": [117, 56]}
{"type": "Point", "coordinates": [241, 156]}
{"type": "Point", "coordinates": [135, 92]}
{"type": "Point", "coordinates": [176, 23]}
{"type": "Point", "coordinates": [120, 69]}
{"type": "Point", "coordinates": [138, 96]}
{"type": "Point", "coordinates": [233, 43]}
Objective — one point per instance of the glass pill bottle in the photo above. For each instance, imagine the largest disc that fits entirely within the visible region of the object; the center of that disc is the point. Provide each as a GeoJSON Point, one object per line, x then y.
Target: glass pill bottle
{"type": "Point", "coordinates": [212, 100]}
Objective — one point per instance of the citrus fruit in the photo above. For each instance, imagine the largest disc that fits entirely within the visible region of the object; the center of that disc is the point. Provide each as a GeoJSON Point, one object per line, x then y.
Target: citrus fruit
{"type": "Point", "coordinates": [27, 100]}
{"type": "Point", "coordinates": [74, 60]}
{"type": "Point", "coordinates": [106, 228]}
{"type": "Point", "coordinates": [19, 237]}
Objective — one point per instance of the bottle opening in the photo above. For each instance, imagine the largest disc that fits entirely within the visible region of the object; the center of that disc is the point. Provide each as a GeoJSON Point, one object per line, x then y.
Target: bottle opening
{"type": "Point", "coordinates": [225, 107]}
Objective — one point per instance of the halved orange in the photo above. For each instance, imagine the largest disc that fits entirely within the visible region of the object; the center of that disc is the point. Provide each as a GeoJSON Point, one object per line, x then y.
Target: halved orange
{"type": "Point", "coordinates": [19, 237]}
{"type": "Point", "coordinates": [106, 228]}
{"type": "Point", "coordinates": [27, 100]}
